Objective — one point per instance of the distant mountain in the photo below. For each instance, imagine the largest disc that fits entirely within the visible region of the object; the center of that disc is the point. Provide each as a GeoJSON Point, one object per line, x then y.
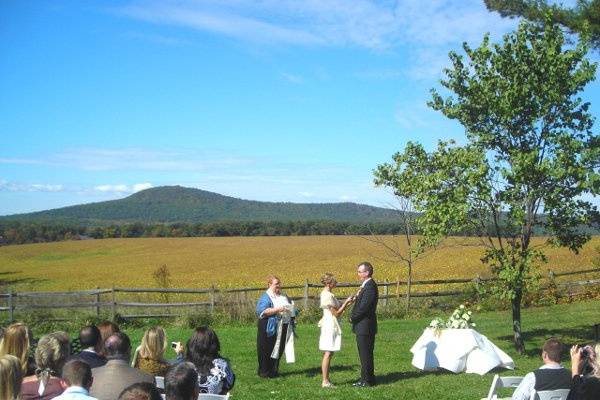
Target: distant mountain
{"type": "Point", "coordinates": [170, 204]}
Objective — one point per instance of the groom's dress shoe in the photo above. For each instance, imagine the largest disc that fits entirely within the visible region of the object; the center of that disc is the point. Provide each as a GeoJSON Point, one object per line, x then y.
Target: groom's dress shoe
{"type": "Point", "coordinates": [361, 384]}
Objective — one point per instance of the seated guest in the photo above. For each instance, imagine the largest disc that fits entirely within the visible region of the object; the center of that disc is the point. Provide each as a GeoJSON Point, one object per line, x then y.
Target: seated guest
{"type": "Point", "coordinates": [50, 355]}
{"type": "Point", "coordinates": [141, 391]}
{"type": "Point", "coordinates": [76, 381]}
{"type": "Point", "coordinates": [180, 382]}
{"type": "Point", "coordinates": [17, 340]}
{"type": "Point", "coordinates": [149, 357]}
{"type": "Point", "coordinates": [550, 376]}
{"type": "Point", "coordinates": [10, 377]}
{"type": "Point", "coordinates": [585, 370]}
{"type": "Point", "coordinates": [106, 329]}
{"type": "Point", "coordinates": [116, 374]}
{"type": "Point", "coordinates": [90, 340]}
{"type": "Point", "coordinates": [214, 373]}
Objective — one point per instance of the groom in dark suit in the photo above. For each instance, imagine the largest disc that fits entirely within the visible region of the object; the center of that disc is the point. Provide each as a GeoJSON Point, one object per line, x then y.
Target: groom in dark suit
{"type": "Point", "coordinates": [364, 323]}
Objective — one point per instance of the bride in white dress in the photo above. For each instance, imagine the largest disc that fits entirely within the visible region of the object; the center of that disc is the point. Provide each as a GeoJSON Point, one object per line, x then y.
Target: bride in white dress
{"type": "Point", "coordinates": [330, 340]}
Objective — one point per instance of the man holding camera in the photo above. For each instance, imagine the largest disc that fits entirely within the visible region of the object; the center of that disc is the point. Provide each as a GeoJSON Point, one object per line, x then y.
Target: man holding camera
{"type": "Point", "coordinates": [550, 376]}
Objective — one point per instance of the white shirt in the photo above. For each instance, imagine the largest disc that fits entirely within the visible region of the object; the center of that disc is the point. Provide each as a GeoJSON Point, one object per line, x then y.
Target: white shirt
{"type": "Point", "coordinates": [75, 393]}
{"type": "Point", "coordinates": [523, 391]}
{"type": "Point", "coordinates": [90, 350]}
{"type": "Point", "coordinates": [365, 282]}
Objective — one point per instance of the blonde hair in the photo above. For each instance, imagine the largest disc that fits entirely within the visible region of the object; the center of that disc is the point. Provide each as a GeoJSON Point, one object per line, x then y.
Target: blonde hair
{"type": "Point", "coordinates": [271, 278]}
{"type": "Point", "coordinates": [51, 354]}
{"type": "Point", "coordinates": [154, 343]}
{"type": "Point", "coordinates": [328, 279]}
{"type": "Point", "coordinates": [16, 341]}
{"type": "Point", "coordinates": [10, 377]}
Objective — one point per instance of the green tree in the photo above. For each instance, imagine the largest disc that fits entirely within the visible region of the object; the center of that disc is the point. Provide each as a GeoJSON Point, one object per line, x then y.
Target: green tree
{"type": "Point", "coordinates": [530, 155]}
{"type": "Point", "coordinates": [584, 15]}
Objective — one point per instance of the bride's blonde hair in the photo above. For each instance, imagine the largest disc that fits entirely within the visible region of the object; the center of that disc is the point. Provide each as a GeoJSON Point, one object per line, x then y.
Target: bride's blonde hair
{"type": "Point", "coordinates": [328, 279]}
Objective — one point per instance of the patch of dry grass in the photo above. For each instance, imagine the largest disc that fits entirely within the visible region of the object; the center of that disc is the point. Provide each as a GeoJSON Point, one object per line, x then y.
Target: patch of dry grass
{"type": "Point", "coordinates": [235, 262]}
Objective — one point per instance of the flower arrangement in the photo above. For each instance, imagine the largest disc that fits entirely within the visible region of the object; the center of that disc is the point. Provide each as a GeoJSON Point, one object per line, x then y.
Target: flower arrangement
{"type": "Point", "coordinates": [461, 318]}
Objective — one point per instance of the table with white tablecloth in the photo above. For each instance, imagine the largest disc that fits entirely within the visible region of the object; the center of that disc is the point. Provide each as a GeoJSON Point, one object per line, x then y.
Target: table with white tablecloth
{"type": "Point", "coordinates": [458, 350]}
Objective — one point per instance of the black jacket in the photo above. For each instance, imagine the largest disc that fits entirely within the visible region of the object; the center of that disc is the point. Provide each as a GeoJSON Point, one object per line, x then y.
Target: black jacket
{"type": "Point", "coordinates": [364, 317]}
{"type": "Point", "coordinates": [94, 360]}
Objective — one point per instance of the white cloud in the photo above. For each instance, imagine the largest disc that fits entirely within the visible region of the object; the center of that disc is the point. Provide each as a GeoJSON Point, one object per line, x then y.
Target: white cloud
{"type": "Point", "coordinates": [141, 186]}
{"type": "Point", "coordinates": [107, 159]}
{"type": "Point", "coordinates": [122, 189]}
{"type": "Point", "coordinates": [306, 194]}
{"type": "Point", "coordinates": [292, 78]}
{"type": "Point", "coordinates": [20, 161]}
{"type": "Point", "coordinates": [6, 186]}
{"type": "Point", "coordinates": [363, 23]}
{"type": "Point", "coordinates": [412, 115]}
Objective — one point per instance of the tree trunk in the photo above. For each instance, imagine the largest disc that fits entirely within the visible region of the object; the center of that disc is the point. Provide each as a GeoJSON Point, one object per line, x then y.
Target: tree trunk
{"type": "Point", "coordinates": [516, 316]}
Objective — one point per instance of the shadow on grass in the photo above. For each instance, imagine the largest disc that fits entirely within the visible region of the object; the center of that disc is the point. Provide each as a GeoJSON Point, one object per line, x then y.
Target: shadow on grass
{"type": "Point", "coordinates": [6, 282]}
{"type": "Point", "coordinates": [311, 372]}
{"type": "Point", "coordinates": [396, 376]}
{"type": "Point", "coordinates": [576, 335]}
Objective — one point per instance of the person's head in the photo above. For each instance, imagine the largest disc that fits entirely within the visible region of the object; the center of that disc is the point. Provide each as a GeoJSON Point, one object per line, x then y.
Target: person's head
{"type": "Point", "coordinates": [117, 347]}
{"type": "Point", "coordinates": [106, 329]}
{"type": "Point", "coordinates": [328, 280]}
{"type": "Point", "coordinates": [202, 348]}
{"type": "Point", "coordinates": [51, 353]}
{"type": "Point", "coordinates": [16, 341]}
{"type": "Point", "coordinates": [141, 391]}
{"type": "Point", "coordinates": [364, 270]}
{"type": "Point", "coordinates": [154, 343]}
{"type": "Point", "coordinates": [274, 284]}
{"type": "Point", "coordinates": [89, 336]}
{"type": "Point", "coordinates": [76, 373]}
{"type": "Point", "coordinates": [552, 350]}
{"type": "Point", "coordinates": [181, 382]}
{"type": "Point", "coordinates": [10, 377]}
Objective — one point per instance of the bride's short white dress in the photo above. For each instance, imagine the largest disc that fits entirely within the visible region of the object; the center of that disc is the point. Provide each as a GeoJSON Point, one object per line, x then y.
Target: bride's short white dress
{"type": "Point", "coordinates": [331, 333]}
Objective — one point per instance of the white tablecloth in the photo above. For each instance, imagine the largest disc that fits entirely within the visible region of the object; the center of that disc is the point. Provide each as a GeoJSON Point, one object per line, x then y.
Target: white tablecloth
{"type": "Point", "coordinates": [458, 350]}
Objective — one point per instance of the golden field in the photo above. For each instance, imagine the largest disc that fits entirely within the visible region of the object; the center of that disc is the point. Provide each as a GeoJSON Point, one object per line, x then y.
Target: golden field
{"type": "Point", "coordinates": [237, 262]}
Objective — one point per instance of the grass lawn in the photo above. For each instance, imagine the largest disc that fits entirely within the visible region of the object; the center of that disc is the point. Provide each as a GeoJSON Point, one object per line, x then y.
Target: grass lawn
{"type": "Point", "coordinates": [397, 378]}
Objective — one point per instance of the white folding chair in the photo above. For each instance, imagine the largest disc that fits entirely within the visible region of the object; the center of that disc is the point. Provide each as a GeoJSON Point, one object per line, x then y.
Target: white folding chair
{"type": "Point", "coordinates": [500, 382]}
{"type": "Point", "coordinates": [558, 394]}
{"type": "Point", "coordinates": [208, 396]}
{"type": "Point", "coordinates": [160, 382]}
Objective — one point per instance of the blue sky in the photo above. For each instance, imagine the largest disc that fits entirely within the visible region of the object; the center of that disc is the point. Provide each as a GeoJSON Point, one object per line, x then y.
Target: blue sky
{"type": "Point", "coordinates": [273, 100]}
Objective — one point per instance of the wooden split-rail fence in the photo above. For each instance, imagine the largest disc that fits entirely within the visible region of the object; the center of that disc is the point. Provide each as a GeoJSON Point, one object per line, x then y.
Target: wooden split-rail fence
{"type": "Point", "coordinates": [111, 301]}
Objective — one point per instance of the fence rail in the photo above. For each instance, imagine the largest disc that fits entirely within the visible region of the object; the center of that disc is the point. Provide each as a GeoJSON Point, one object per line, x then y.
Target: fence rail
{"type": "Point", "coordinates": [103, 299]}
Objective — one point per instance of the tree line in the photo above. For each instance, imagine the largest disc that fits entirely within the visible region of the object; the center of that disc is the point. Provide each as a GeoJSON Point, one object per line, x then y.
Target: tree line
{"type": "Point", "coordinates": [17, 232]}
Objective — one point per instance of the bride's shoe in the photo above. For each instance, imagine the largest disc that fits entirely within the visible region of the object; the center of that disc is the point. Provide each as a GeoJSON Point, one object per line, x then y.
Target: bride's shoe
{"type": "Point", "coordinates": [327, 385]}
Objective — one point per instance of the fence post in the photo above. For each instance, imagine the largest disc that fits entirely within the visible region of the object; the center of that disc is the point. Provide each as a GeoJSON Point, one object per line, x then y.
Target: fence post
{"type": "Point", "coordinates": [306, 294]}
{"type": "Point", "coordinates": [97, 302]}
{"type": "Point", "coordinates": [385, 293]}
{"type": "Point", "coordinates": [114, 305]}
{"type": "Point", "coordinates": [212, 299]}
{"type": "Point", "coordinates": [11, 308]}
{"type": "Point", "coordinates": [477, 283]}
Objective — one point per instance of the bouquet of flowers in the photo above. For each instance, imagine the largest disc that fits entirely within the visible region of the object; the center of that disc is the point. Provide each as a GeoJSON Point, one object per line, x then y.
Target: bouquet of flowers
{"type": "Point", "coordinates": [461, 318]}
